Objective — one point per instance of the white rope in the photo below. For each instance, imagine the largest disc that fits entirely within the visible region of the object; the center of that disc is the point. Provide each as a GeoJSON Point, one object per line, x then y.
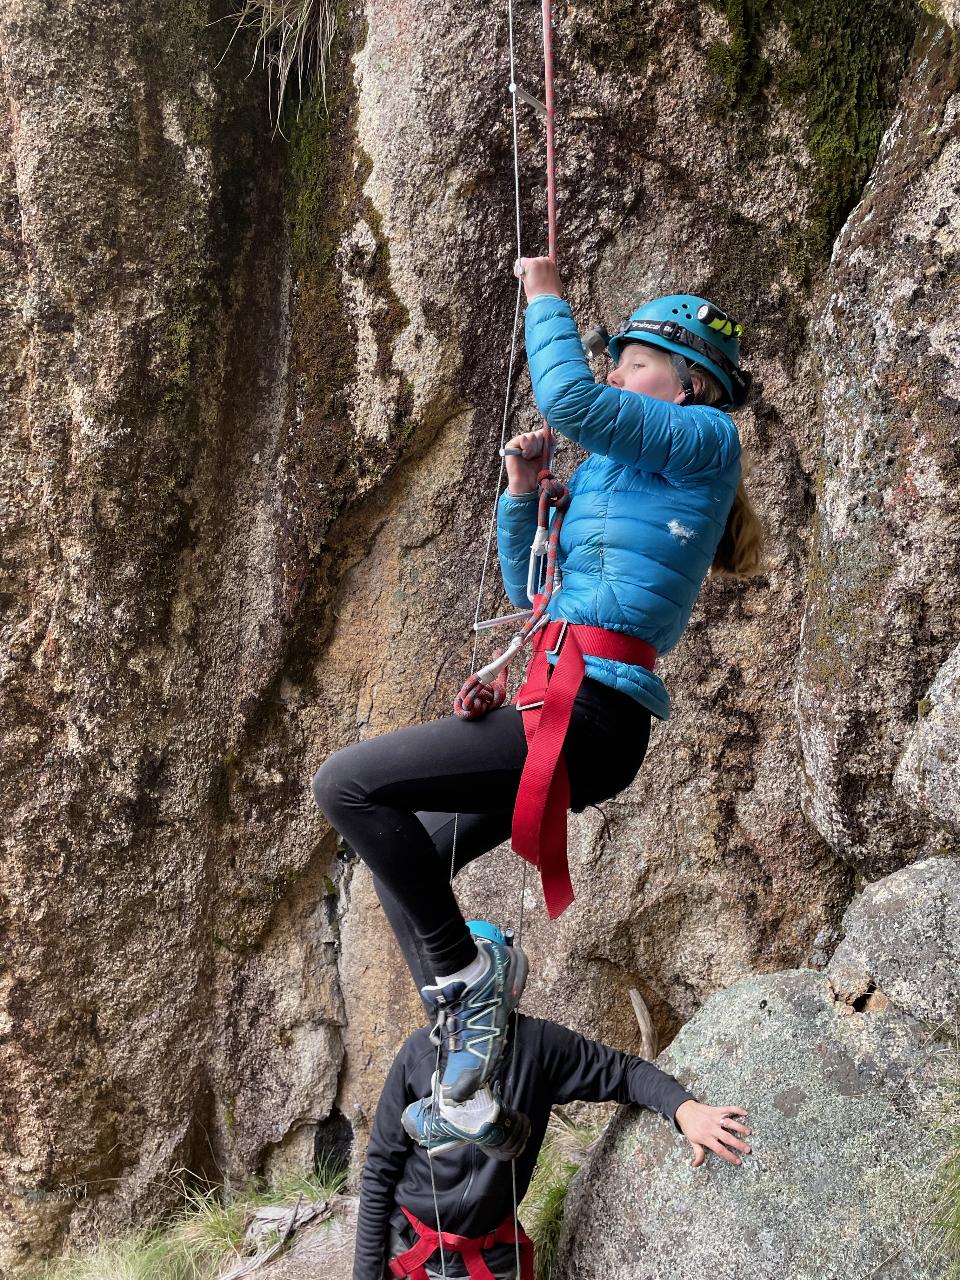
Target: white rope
{"type": "Point", "coordinates": [492, 522]}
{"type": "Point", "coordinates": [491, 531]}
{"type": "Point", "coordinates": [518, 941]}
{"type": "Point", "coordinates": [433, 1181]}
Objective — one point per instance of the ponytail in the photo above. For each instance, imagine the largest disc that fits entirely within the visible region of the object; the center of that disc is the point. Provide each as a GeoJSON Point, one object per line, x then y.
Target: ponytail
{"type": "Point", "coordinates": [740, 552]}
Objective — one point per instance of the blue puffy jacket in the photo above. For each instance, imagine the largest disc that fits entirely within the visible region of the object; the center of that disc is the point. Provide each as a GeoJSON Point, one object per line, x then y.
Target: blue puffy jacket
{"type": "Point", "coordinates": [648, 507]}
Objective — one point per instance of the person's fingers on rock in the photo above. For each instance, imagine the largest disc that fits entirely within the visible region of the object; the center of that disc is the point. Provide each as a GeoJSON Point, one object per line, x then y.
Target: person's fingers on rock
{"type": "Point", "coordinates": [733, 1127]}
{"type": "Point", "coordinates": [699, 1155]}
{"type": "Point", "coordinates": [717, 1146]}
{"type": "Point", "coordinates": [731, 1141]}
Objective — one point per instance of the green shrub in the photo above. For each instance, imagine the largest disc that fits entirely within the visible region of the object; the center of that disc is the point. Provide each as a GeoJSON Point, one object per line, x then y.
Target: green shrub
{"type": "Point", "coordinates": [543, 1206]}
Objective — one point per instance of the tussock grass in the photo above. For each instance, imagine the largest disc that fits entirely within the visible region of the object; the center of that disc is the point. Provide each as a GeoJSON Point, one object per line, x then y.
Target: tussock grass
{"type": "Point", "coordinates": [201, 1241]}
{"type": "Point", "coordinates": [948, 1197]}
{"type": "Point", "coordinates": [563, 1150]}
{"type": "Point", "coordinates": [294, 38]}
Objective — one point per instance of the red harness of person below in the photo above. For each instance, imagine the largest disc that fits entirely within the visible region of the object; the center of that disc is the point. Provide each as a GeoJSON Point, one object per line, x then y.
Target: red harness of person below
{"type": "Point", "coordinates": [546, 701]}
{"type": "Point", "coordinates": [409, 1265]}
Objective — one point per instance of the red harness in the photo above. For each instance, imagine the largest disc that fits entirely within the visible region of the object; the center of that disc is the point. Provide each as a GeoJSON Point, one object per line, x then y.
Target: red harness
{"type": "Point", "coordinates": [409, 1265]}
{"type": "Point", "coordinates": [546, 701]}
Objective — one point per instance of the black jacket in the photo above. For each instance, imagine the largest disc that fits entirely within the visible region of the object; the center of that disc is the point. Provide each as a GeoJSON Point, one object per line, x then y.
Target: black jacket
{"type": "Point", "coordinates": [475, 1193]}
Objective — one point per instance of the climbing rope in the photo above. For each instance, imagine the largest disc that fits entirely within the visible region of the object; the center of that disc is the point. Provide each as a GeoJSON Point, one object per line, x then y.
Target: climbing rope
{"type": "Point", "coordinates": [486, 689]}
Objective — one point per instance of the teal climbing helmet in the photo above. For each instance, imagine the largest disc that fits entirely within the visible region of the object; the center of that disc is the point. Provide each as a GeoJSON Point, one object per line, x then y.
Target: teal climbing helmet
{"type": "Point", "coordinates": [484, 929]}
{"type": "Point", "coordinates": [697, 331]}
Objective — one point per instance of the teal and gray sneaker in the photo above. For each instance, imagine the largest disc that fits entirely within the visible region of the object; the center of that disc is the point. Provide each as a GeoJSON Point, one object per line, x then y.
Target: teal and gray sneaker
{"type": "Point", "coordinates": [472, 1018]}
{"type": "Point", "coordinates": [502, 1138]}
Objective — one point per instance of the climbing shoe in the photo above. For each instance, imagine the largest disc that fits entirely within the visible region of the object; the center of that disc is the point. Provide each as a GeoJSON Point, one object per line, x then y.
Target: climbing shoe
{"type": "Point", "coordinates": [472, 1018]}
{"type": "Point", "coordinates": [502, 1138]}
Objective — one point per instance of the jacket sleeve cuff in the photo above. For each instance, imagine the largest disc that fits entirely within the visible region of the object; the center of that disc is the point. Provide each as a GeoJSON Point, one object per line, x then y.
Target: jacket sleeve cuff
{"type": "Point", "coordinates": [533, 301]}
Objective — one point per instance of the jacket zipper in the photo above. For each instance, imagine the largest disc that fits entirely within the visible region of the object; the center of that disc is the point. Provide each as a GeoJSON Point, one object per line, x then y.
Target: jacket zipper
{"type": "Point", "coordinates": [469, 1182]}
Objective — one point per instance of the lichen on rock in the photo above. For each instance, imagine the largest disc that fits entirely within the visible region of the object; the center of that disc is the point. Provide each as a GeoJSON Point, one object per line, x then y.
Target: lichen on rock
{"type": "Point", "coordinates": [842, 1096]}
{"type": "Point", "coordinates": [881, 613]}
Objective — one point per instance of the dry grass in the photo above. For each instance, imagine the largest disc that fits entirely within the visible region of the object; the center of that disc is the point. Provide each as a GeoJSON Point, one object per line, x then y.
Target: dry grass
{"type": "Point", "coordinates": [948, 1197]}
{"type": "Point", "coordinates": [294, 38]}
{"type": "Point", "coordinates": [199, 1243]}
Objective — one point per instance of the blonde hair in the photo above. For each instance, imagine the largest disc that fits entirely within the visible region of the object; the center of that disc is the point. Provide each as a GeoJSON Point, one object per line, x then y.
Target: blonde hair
{"type": "Point", "coordinates": [740, 552]}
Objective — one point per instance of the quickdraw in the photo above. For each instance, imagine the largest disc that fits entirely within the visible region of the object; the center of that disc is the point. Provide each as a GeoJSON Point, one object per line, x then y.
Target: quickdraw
{"type": "Point", "coordinates": [486, 689]}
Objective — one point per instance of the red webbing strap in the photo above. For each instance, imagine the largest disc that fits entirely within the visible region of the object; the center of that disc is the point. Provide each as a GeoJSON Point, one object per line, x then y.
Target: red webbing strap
{"type": "Point", "coordinates": [540, 816]}
{"type": "Point", "coordinates": [409, 1265]}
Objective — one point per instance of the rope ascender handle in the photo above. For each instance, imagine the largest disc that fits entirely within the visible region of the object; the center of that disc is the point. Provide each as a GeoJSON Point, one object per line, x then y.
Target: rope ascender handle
{"type": "Point", "coordinates": [486, 690]}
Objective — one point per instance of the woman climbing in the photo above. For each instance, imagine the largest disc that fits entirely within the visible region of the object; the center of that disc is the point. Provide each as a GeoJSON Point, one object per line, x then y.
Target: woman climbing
{"type": "Point", "coordinates": [656, 505]}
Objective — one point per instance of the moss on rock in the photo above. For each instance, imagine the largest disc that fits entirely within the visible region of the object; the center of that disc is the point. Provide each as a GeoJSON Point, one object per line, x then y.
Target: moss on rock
{"type": "Point", "coordinates": [843, 63]}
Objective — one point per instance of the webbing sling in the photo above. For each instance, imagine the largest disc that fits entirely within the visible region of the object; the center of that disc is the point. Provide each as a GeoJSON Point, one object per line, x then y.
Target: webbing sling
{"type": "Point", "coordinates": [410, 1265]}
{"type": "Point", "coordinates": [546, 702]}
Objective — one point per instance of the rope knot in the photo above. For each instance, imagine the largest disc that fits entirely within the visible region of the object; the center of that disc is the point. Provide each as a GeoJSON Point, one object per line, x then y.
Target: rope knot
{"type": "Point", "coordinates": [475, 699]}
{"type": "Point", "coordinates": [553, 492]}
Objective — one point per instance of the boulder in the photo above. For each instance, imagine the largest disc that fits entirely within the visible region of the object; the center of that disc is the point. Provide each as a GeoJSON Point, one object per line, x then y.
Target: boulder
{"type": "Point", "coordinates": [843, 1106]}
{"type": "Point", "coordinates": [844, 1076]}
{"type": "Point", "coordinates": [902, 944]}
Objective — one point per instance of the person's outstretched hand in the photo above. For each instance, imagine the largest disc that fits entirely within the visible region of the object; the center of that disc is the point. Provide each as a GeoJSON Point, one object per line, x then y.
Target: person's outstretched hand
{"type": "Point", "coordinates": [540, 275]}
{"type": "Point", "coordinates": [712, 1127]}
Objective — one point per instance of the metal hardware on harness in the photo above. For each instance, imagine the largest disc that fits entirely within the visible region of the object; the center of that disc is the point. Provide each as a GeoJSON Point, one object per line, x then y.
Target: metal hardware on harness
{"type": "Point", "coordinates": [538, 549]}
{"type": "Point", "coordinates": [504, 618]}
{"type": "Point", "coordinates": [564, 623]}
{"type": "Point", "coordinates": [486, 690]}
{"type": "Point", "coordinates": [499, 663]}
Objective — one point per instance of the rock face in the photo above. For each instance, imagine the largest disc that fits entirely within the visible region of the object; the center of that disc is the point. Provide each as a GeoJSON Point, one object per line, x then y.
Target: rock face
{"type": "Point", "coordinates": [165, 1005]}
{"type": "Point", "coordinates": [928, 775]}
{"type": "Point", "coordinates": [252, 390]}
{"type": "Point", "coordinates": [843, 1093]}
{"type": "Point", "coordinates": [882, 610]}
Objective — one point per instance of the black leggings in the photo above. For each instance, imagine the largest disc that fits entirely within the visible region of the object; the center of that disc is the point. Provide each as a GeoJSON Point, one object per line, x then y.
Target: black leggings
{"type": "Point", "coordinates": [393, 800]}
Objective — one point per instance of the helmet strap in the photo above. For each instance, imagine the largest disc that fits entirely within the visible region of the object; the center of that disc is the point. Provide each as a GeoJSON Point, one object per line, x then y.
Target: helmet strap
{"type": "Point", "coordinates": [682, 370]}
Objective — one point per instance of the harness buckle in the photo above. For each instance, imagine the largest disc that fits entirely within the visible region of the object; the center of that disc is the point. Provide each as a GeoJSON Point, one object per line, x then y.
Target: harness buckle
{"type": "Point", "coordinates": [560, 639]}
